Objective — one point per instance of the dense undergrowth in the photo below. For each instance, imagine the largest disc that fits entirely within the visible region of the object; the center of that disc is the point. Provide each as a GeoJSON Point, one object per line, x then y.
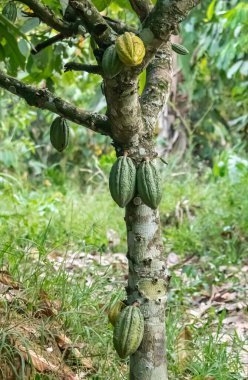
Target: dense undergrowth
{"type": "Point", "coordinates": [59, 240]}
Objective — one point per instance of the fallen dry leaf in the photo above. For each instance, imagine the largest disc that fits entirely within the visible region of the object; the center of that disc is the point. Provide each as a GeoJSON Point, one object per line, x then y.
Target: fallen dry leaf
{"type": "Point", "coordinates": [183, 349]}
{"type": "Point", "coordinates": [41, 364]}
{"type": "Point", "coordinates": [7, 279]}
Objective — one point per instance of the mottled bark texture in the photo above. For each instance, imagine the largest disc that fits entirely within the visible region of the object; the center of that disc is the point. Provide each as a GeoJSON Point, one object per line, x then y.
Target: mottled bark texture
{"type": "Point", "coordinates": [141, 7]}
{"type": "Point", "coordinates": [147, 284]}
{"type": "Point", "coordinates": [94, 22]}
{"type": "Point", "coordinates": [157, 89]}
{"type": "Point", "coordinates": [130, 121]}
{"type": "Point", "coordinates": [124, 110]}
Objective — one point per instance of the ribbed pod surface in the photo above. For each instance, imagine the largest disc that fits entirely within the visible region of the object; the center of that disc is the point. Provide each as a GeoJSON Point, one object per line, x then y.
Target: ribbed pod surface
{"type": "Point", "coordinates": [149, 183]}
{"type": "Point", "coordinates": [128, 331]}
{"type": "Point", "coordinates": [59, 134]}
{"type": "Point", "coordinates": [122, 180]}
{"type": "Point", "coordinates": [179, 49]}
{"type": "Point", "coordinates": [111, 63]}
{"type": "Point", "coordinates": [130, 49]}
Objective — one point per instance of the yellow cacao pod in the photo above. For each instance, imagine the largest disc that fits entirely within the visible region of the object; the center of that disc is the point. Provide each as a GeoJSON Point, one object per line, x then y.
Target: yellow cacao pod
{"type": "Point", "coordinates": [130, 49]}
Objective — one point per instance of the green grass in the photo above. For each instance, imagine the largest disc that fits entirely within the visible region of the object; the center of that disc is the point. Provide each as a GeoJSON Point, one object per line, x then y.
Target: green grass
{"type": "Point", "coordinates": [201, 215]}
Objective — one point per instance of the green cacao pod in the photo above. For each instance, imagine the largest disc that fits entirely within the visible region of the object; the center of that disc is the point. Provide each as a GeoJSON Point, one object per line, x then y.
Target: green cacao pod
{"type": "Point", "coordinates": [149, 183]}
{"type": "Point", "coordinates": [122, 180]}
{"type": "Point", "coordinates": [111, 63]}
{"type": "Point", "coordinates": [114, 311]}
{"type": "Point", "coordinates": [10, 11]}
{"type": "Point", "coordinates": [59, 134]}
{"type": "Point", "coordinates": [128, 331]}
{"type": "Point", "coordinates": [179, 49]}
{"type": "Point", "coordinates": [130, 49]}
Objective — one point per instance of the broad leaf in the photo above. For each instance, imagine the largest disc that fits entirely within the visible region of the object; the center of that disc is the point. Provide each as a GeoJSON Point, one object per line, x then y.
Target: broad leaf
{"type": "Point", "coordinates": [101, 4]}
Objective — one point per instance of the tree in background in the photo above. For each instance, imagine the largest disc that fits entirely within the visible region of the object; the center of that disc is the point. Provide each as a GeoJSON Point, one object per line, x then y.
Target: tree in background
{"type": "Point", "coordinates": [122, 52]}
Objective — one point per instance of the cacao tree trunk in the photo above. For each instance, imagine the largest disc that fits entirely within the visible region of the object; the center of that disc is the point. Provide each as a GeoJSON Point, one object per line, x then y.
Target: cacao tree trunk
{"type": "Point", "coordinates": [147, 285]}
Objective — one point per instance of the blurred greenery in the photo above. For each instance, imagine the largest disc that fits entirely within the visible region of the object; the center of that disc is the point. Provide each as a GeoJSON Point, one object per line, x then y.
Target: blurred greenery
{"type": "Point", "coordinates": [215, 76]}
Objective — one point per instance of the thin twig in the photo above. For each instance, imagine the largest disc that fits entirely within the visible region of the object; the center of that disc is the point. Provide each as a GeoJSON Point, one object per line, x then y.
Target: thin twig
{"type": "Point", "coordinates": [92, 69]}
{"type": "Point", "coordinates": [48, 42]}
{"type": "Point", "coordinates": [44, 99]}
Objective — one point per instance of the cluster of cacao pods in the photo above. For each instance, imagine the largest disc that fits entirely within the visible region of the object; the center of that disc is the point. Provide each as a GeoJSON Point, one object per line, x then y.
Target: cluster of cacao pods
{"type": "Point", "coordinates": [128, 323]}
{"type": "Point", "coordinates": [59, 134]}
{"type": "Point", "coordinates": [124, 180]}
{"type": "Point", "coordinates": [129, 50]}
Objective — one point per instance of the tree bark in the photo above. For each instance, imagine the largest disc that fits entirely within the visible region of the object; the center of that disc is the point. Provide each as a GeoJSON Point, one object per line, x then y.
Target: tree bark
{"type": "Point", "coordinates": [147, 284]}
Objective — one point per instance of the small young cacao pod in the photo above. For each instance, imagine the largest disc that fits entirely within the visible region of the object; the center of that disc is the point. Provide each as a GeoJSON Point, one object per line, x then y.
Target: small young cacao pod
{"type": "Point", "coordinates": [179, 49]}
{"type": "Point", "coordinates": [59, 134]}
{"type": "Point", "coordinates": [10, 11]}
{"type": "Point", "coordinates": [122, 180]}
{"type": "Point", "coordinates": [111, 63]}
{"type": "Point", "coordinates": [130, 49]}
{"type": "Point", "coordinates": [114, 311]}
{"type": "Point", "coordinates": [128, 331]}
{"type": "Point", "coordinates": [149, 183]}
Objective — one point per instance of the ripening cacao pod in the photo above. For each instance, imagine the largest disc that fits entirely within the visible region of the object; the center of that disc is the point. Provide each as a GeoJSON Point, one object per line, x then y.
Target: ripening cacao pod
{"type": "Point", "coordinates": [130, 49]}
{"type": "Point", "coordinates": [114, 311]}
{"type": "Point", "coordinates": [59, 134]}
{"type": "Point", "coordinates": [149, 183]}
{"type": "Point", "coordinates": [111, 63]}
{"type": "Point", "coordinates": [10, 11]}
{"type": "Point", "coordinates": [128, 331]}
{"type": "Point", "coordinates": [122, 180]}
{"type": "Point", "coordinates": [179, 49]}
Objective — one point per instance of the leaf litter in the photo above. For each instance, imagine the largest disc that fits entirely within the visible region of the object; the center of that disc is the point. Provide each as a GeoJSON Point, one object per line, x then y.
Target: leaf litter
{"type": "Point", "coordinates": [229, 296]}
{"type": "Point", "coordinates": [35, 337]}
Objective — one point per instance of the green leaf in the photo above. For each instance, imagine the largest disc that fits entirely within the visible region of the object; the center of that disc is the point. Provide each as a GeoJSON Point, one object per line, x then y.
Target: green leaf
{"type": "Point", "coordinates": [11, 27]}
{"type": "Point", "coordinates": [11, 50]}
{"type": "Point", "coordinates": [30, 24]}
{"type": "Point", "coordinates": [123, 4]}
{"type": "Point", "coordinates": [142, 81]}
{"type": "Point", "coordinates": [101, 4]}
{"type": "Point", "coordinates": [211, 10]}
{"type": "Point", "coordinates": [64, 5]}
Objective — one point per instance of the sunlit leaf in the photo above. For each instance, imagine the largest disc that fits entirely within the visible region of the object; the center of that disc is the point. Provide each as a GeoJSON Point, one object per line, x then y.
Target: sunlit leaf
{"type": "Point", "coordinates": [101, 4]}
{"type": "Point", "coordinates": [142, 81]}
{"type": "Point", "coordinates": [211, 10]}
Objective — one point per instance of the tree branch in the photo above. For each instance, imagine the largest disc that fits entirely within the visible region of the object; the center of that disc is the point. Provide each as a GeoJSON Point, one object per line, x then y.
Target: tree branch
{"type": "Point", "coordinates": [119, 26]}
{"type": "Point", "coordinates": [162, 21]}
{"type": "Point", "coordinates": [48, 42]}
{"type": "Point", "coordinates": [166, 15]}
{"type": "Point", "coordinates": [157, 89]}
{"type": "Point", "coordinates": [94, 22]}
{"type": "Point", "coordinates": [48, 17]}
{"type": "Point", "coordinates": [44, 99]}
{"type": "Point", "coordinates": [92, 69]}
{"type": "Point", "coordinates": [141, 7]}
